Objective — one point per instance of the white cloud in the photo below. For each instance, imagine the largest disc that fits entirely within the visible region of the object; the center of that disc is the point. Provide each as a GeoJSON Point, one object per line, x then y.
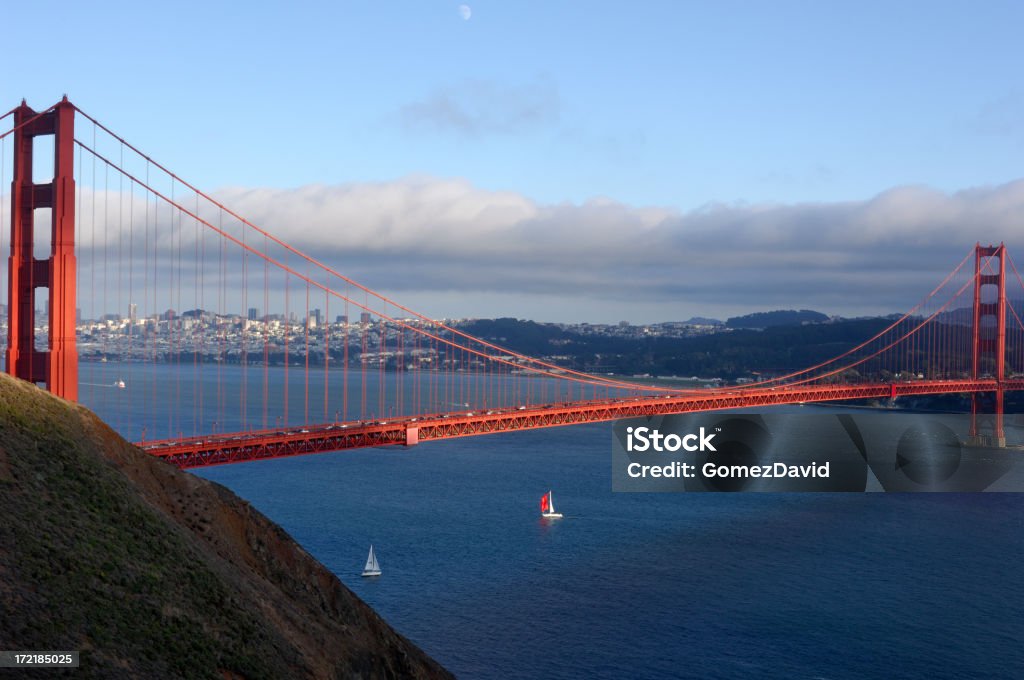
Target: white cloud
{"type": "Point", "coordinates": [423, 239]}
{"type": "Point", "coordinates": [476, 107]}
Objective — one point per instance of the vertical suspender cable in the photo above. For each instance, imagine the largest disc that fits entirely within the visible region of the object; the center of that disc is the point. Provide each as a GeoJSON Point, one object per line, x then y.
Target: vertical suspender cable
{"type": "Point", "coordinates": [265, 321]}
{"type": "Point", "coordinates": [327, 344]}
{"type": "Point", "coordinates": [244, 357]}
{"type": "Point", "coordinates": [306, 326]}
{"type": "Point", "coordinates": [287, 334]}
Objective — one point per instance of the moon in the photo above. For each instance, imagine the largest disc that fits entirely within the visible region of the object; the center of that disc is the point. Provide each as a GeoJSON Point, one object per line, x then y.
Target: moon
{"type": "Point", "coordinates": [465, 11]}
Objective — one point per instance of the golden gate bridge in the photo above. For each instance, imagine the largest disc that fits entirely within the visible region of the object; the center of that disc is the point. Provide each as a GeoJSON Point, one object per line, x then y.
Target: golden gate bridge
{"type": "Point", "coordinates": [255, 369]}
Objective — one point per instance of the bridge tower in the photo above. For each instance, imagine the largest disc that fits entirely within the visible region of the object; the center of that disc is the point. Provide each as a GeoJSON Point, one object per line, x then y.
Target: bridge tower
{"type": "Point", "coordinates": [989, 339]}
{"type": "Point", "coordinates": [57, 366]}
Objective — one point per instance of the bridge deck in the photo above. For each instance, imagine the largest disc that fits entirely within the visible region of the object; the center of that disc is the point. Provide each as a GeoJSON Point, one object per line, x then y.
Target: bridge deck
{"type": "Point", "coordinates": [256, 445]}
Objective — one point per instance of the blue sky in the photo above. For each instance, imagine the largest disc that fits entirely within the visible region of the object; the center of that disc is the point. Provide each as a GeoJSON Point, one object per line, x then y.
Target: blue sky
{"type": "Point", "coordinates": [678, 107]}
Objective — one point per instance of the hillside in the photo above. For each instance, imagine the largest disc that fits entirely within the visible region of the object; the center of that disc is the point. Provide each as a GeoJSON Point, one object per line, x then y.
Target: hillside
{"type": "Point", "coordinates": [152, 572]}
{"type": "Point", "coordinates": [781, 317]}
{"type": "Point", "coordinates": [730, 355]}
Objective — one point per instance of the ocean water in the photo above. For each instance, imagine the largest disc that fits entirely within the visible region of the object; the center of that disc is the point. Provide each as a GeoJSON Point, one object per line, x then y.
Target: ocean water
{"type": "Point", "coordinates": [653, 585]}
{"type": "Point", "coordinates": [687, 585]}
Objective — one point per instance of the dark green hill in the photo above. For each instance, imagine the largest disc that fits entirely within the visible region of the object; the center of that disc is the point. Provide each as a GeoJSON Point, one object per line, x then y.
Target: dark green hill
{"type": "Point", "coordinates": [781, 317]}
{"type": "Point", "coordinates": [733, 354]}
{"type": "Point", "coordinates": [156, 573]}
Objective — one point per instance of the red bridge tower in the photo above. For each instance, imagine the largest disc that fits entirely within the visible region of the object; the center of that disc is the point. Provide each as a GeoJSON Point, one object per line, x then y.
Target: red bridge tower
{"type": "Point", "coordinates": [989, 351]}
{"type": "Point", "coordinates": [58, 365]}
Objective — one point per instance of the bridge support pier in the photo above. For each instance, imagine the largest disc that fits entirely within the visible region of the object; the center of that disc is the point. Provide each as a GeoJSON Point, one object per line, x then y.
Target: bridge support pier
{"type": "Point", "coordinates": [56, 366]}
{"type": "Point", "coordinates": [989, 343]}
{"type": "Point", "coordinates": [987, 414]}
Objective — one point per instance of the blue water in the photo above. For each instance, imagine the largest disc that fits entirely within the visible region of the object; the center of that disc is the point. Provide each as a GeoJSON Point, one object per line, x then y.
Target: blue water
{"type": "Point", "coordinates": [164, 400]}
{"type": "Point", "coordinates": [653, 585]}
{"type": "Point", "coordinates": [680, 585]}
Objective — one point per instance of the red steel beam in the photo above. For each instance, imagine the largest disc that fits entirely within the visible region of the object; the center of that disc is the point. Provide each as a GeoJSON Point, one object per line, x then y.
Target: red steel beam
{"type": "Point", "coordinates": [248, 446]}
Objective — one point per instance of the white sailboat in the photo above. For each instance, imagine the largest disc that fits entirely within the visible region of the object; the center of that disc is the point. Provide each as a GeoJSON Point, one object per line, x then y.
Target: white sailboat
{"type": "Point", "coordinates": [547, 507]}
{"type": "Point", "coordinates": [371, 568]}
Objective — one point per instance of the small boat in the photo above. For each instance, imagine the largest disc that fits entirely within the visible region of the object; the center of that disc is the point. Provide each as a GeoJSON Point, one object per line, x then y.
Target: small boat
{"type": "Point", "coordinates": [371, 568]}
{"type": "Point", "coordinates": [119, 384]}
{"type": "Point", "coordinates": [547, 507]}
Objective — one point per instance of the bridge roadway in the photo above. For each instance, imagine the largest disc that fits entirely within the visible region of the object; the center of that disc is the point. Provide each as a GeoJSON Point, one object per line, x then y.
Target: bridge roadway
{"type": "Point", "coordinates": [220, 449]}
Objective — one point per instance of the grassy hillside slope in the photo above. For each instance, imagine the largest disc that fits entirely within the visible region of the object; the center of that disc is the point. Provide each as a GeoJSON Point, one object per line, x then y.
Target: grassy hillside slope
{"type": "Point", "coordinates": [152, 572]}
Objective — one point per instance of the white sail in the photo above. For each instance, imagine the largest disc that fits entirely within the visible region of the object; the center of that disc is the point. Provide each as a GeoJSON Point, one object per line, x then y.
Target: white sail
{"type": "Point", "coordinates": [550, 512]}
{"type": "Point", "coordinates": [371, 568]}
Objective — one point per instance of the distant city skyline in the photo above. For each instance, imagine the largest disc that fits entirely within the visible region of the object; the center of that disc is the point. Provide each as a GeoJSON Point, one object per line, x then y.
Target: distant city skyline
{"type": "Point", "coordinates": [598, 162]}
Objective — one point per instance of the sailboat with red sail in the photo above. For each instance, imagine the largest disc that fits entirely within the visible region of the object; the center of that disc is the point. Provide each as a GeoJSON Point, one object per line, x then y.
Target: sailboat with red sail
{"type": "Point", "coordinates": [547, 507]}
